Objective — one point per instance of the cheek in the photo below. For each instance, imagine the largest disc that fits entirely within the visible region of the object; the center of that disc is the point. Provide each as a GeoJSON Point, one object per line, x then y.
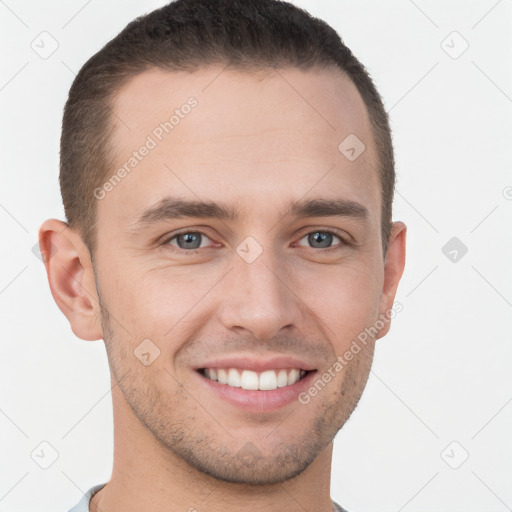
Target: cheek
{"type": "Point", "coordinates": [346, 299]}
{"type": "Point", "coordinates": [156, 300]}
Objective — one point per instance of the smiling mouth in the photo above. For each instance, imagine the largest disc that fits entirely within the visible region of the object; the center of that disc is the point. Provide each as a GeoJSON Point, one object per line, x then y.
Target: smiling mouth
{"type": "Point", "coordinates": [251, 380]}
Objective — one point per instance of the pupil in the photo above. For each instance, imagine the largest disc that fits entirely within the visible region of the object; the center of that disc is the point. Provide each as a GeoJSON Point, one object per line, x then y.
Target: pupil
{"type": "Point", "coordinates": [191, 240]}
{"type": "Point", "coordinates": [323, 238]}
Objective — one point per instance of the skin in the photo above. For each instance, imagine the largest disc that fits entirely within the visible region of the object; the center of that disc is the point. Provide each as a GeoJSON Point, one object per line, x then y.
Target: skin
{"type": "Point", "coordinates": [255, 143]}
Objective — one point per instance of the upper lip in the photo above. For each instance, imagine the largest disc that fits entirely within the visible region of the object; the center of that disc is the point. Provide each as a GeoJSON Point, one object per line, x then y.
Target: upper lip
{"type": "Point", "coordinates": [259, 364]}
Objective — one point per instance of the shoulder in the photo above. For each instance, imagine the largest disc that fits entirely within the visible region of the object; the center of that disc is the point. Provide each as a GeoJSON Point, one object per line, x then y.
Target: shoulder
{"type": "Point", "coordinates": [338, 508]}
{"type": "Point", "coordinates": [83, 504]}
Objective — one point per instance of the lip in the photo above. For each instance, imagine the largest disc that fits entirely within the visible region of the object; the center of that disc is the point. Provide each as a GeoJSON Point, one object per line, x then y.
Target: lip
{"type": "Point", "coordinates": [255, 400]}
{"type": "Point", "coordinates": [257, 365]}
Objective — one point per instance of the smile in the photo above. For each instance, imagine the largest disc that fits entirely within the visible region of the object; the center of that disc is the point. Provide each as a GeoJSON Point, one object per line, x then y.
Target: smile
{"type": "Point", "coordinates": [251, 380]}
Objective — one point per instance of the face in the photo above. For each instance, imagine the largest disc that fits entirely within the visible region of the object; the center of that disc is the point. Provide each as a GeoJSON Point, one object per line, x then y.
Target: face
{"type": "Point", "coordinates": [241, 241]}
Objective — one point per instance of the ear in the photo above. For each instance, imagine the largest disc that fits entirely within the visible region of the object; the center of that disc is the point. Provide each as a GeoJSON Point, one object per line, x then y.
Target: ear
{"type": "Point", "coordinates": [394, 264]}
{"type": "Point", "coordinates": [71, 278]}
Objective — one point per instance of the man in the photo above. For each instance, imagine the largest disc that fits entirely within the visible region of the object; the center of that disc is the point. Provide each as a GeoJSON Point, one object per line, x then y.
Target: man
{"type": "Point", "coordinates": [227, 175]}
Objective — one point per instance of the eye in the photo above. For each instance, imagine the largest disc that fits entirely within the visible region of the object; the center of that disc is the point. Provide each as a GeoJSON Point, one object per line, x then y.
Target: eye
{"type": "Point", "coordinates": [186, 241]}
{"type": "Point", "coordinates": [323, 239]}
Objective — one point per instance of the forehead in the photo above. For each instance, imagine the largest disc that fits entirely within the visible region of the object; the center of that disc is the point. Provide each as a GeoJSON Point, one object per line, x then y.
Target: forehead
{"type": "Point", "coordinates": [218, 132]}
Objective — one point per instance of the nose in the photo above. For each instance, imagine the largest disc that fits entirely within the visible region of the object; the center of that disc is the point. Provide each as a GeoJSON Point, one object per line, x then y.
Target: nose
{"type": "Point", "coordinates": [259, 297]}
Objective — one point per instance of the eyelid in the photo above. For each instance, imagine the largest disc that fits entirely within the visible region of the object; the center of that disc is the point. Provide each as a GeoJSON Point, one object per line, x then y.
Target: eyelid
{"type": "Point", "coordinates": [342, 234]}
{"type": "Point", "coordinates": [167, 239]}
{"type": "Point", "coordinates": [344, 240]}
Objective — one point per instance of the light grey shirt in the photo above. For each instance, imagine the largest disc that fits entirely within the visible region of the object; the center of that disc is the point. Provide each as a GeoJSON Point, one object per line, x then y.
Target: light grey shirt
{"type": "Point", "coordinates": [83, 504]}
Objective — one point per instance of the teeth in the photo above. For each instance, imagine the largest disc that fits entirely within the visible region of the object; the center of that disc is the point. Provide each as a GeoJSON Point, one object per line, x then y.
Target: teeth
{"type": "Point", "coordinates": [234, 378]}
{"type": "Point", "coordinates": [293, 376]}
{"type": "Point", "coordinates": [222, 376]}
{"type": "Point", "coordinates": [247, 379]}
{"type": "Point", "coordinates": [268, 380]}
{"type": "Point", "coordinates": [282, 379]}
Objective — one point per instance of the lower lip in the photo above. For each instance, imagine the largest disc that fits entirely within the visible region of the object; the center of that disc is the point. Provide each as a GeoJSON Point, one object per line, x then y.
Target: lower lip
{"type": "Point", "coordinates": [259, 401]}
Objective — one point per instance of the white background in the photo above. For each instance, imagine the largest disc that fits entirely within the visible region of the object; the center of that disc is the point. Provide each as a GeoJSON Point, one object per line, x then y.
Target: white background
{"type": "Point", "coordinates": [443, 372]}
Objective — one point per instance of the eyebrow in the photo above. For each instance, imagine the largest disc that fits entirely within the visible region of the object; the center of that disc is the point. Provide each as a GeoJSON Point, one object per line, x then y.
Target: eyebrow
{"type": "Point", "coordinates": [174, 208]}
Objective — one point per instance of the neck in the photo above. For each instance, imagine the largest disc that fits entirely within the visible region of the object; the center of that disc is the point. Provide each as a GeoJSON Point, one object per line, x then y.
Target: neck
{"type": "Point", "coordinates": [149, 476]}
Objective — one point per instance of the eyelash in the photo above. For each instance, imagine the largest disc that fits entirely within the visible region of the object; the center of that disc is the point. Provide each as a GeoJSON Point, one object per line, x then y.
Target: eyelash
{"type": "Point", "coordinates": [344, 242]}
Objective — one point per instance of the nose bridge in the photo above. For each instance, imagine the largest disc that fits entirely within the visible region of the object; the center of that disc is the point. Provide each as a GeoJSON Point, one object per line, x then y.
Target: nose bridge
{"type": "Point", "coordinates": [257, 296]}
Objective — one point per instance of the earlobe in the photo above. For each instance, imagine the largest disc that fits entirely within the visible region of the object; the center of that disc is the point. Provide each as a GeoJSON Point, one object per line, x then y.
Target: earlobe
{"type": "Point", "coordinates": [394, 265]}
{"type": "Point", "coordinates": [71, 278]}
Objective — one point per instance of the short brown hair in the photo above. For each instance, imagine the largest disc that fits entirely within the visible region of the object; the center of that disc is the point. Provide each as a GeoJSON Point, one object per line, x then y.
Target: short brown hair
{"type": "Point", "coordinates": [185, 35]}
